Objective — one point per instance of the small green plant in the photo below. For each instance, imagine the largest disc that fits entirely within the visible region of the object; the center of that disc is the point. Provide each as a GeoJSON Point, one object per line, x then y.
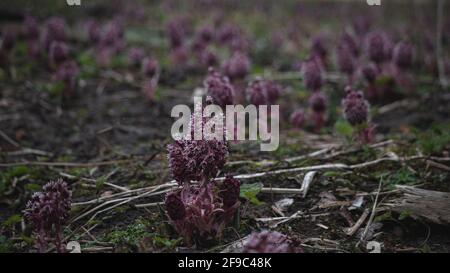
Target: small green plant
{"type": "Point", "coordinates": [250, 191]}
{"type": "Point", "coordinates": [402, 177]}
{"type": "Point", "coordinates": [434, 140]}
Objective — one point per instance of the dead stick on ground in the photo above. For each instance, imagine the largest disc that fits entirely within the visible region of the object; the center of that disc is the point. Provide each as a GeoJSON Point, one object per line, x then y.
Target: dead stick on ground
{"type": "Point", "coordinates": [350, 231]}
{"type": "Point", "coordinates": [307, 181]}
{"type": "Point", "coordinates": [372, 215]}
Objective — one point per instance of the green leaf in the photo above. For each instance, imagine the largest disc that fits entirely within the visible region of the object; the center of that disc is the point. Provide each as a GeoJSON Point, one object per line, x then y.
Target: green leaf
{"type": "Point", "coordinates": [250, 191]}
{"type": "Point", "coordinates": [14, 219]}
{"type": "Point", "coordinates": [405, 214]}
{"type": "Point", "coordinates": [344, 128]}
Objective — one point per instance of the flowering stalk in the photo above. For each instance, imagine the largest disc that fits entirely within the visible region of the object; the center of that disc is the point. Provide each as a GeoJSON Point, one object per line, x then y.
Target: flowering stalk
{"type": "Point", "coordinates": [48, 211]}
{"type": "Point", "coordinates": [200, 211]}
{"type": "Point", "coordinates": [318, 103]}
{"type": "Point", "coordinates": [356, 112]}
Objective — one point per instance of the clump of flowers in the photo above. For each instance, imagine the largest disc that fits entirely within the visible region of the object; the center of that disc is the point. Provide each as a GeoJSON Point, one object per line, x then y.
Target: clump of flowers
{"type": "Point", "coordinates": [59, 52]}
{"type": "Point", "coordinates": [48, 211]}
{"type": "Point", "coordinates": [319, 48]}
{"type": "Point", "coordinates": [238, 66]}
{"type": "Point", "coordinates": [378, 48]}
{"type": "Point", "coordinates": [346, 62]}
{"type": "Point", "coordinates": [208, 58]}
{"type": "Point", "coordinates": [263, 92]}
{"type": "Point", "coordinates": [176, 32]}
{"type": "Point", "coordinates": [298, 118]}
{"type": "Point", "coordinates": [150, 69]}
{"type": "Point", "coordinates": [356, 112]}
{"type": "Point", "coordinates": [32, 34]}
{"type": "Point", "coordinates": [312, 75]}
{"type": "Point", "coordinates": [202, 207]}
{"type": "Point", "coordinates": [270, 242]}
{"type": "Point", "coordinates": [318, 103]}
{"type": "Point", "coordinates": [403, 55]}
{"type": "Point", "coordinates": [135, 56]}
{"type": "Point", "coordinates": [110, 41]}
{"type": "Point", "coordinates": [55, 30]}
{"type": "Point", "coordinates": [219, 88]}
{"type": "Point", "coordinates": [67, 74]}
{"type": "Point", "coordinates": [93, 31]}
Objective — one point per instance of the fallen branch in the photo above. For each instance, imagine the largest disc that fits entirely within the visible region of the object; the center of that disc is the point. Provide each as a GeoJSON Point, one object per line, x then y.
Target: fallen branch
{"type": "Point", "coordinates": [433, 206]}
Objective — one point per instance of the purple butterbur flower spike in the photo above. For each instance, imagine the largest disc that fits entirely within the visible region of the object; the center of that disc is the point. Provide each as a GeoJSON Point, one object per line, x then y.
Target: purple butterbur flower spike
{"type": "Point", "coordinates": [67, 73]}
{"type": "Point", "coordinates": [59, 52]}
{"type": "Point", "coordinates": [312, 75]}
{"type": "Point", "coordinates": [318, 103]}
{"type": "Point", "coordinates": [238, 66]}
{"type": "Point", "coordinates": [55, 31]}
{"type": "Point", "coordinates": [298, 118]}
{"type": "Point", "coordinates": [356, 112]}
{"type": "Point", "coordinates": [403, 55]}
{"type": "Point", "coordinates": [48, 211]}
{"type": "Point", "coordinates": [203, 207]}
{"type": "Point", "coordinates": [219, 88]}
{"type": "Point", "coordinates": [346, 62]}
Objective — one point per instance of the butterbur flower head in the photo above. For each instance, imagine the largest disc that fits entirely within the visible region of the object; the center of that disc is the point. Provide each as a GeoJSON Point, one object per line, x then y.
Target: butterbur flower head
{"type": "Point", "coordinates": [113, 34]}
{"type": "Point", "coordinates": [256, 92]}
{"type": "Point", "coordinates": [227, 32]}
{"type": "Point", "coordinates": [67, 73]}
{"type": "Point", "coordinates": [206, 34]}
{"type": "Point", "coordinates": [208, 58]}
{"type": "Point", "coordinates": [179, 56]}
{"type": "Point", "coordinates": [318, 46]}
{"type": "Point", "coordinates": [403, 55]}
{"type": "Point", "coordinates": [48, 211]}
{"type": "Point", "coordinates": [230, 191]}
{"type": "Point", "coordinates": [318, 102]}
{"type": "Point", "coordinates": [31, 28]}
{"type": "Point", "coordinates": [174, 206]}
{"type": "Point", "coordinates": [176, 32]}
{"type": "Point", "coordinates": [273, 91]}
{"type": "Point", "coordinates": [196, 160]}
{"type": "Point", "coordinates": [298, 118]}
{"type": "Point", "coordinates": [238, 66]}
{"type": "Point", "coordinates": [377, 47]}
{"type": "Point", "coordinates": [93, 31]}
{"type": "Point", "coordinates": [312, 75]}
{"type": "Point", "coordinates": [269, 242]}
{"type": "Point", "coordinates": [150, 67]}
{"type": "Point", "coordinates": [370, 73]}
{"type": "Point", "coordinates": [349, 41]}
{"type": "Point", "coordinates": [135, 56]}
{"type": "Point", "coordinates": [240, 43]}
{"type": "Point", "coordinates": [59, 52]}
{"type": "Point", "coordinates": [219, 88]}
{"type": "Point", "coordinates": [346, 60]}
{"type": "Point", "coordinates": [55, 30]}
{"type": "Point", "coordinates": [263, 92]}
{"type": "Point", "coordinates": [356, 108]}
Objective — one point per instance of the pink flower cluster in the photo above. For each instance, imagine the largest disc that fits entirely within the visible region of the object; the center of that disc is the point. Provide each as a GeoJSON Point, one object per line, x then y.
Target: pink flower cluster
{"type": "Point", "coordinates": [356, 112]}
{"type": "Point", "coordinates": [48, 211]}
{"type": "Point", "coordinates": [202, 207]}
